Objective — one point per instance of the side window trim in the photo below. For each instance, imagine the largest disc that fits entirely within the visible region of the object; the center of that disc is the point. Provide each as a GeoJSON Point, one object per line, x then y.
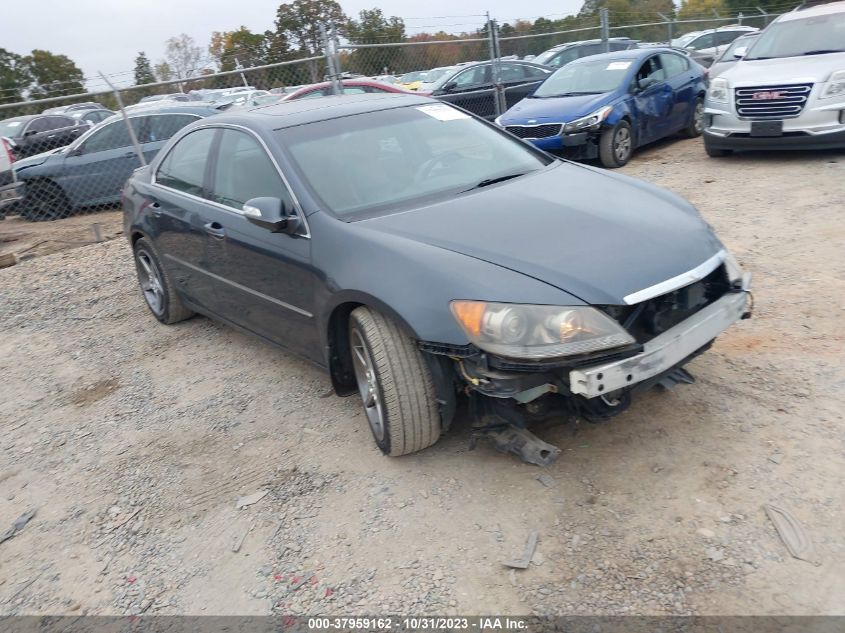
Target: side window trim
{"type": "Point", "coordinates": [208, 179]}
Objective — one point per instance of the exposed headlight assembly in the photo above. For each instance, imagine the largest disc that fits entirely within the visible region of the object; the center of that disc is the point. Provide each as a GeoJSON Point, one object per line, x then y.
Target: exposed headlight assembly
{"type": "Point", "coordinates": [719, 92]}
{"type": "Point", "coordinates": [590, 122]}
{"type": "Point", "coordinates": [835, 86]}
{"type": "Point", "coordinates": [534, 332]}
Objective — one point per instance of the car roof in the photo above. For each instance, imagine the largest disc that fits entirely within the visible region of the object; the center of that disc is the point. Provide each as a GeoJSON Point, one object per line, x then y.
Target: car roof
{"type": "Point", "coordinates": [304, 111]}
{"type": "Point", "coordinates": [631, 53]}
{"type": "Point", "coordinates": [808, 10]}
{"type": "Point", "coordinates": [582, 42]}
{"type": "Point", "coordinates": [25, 117]}
{"type": "Point", "coordinates": [206, 110]}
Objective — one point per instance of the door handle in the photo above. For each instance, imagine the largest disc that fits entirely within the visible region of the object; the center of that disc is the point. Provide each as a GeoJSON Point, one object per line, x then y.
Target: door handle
{"type": "Point", "coordinates": [215, 230]}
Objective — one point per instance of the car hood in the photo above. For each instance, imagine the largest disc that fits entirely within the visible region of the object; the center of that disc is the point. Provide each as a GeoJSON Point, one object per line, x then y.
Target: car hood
{"type": "Point", "coordinates": [37, 159]}
{"type": "Point", "coordinates": [554, 109]}
{"type": "Point", "coordinates": [784, 70]}
{"type": "Point", "coordinates": [596, 236]}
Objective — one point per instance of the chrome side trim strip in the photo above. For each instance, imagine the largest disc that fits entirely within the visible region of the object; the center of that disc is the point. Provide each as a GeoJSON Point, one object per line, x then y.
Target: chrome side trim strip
{"type": "Point", "coordinates": [260, 295]}
{"type": "Point", "coordinates": [679, 281]}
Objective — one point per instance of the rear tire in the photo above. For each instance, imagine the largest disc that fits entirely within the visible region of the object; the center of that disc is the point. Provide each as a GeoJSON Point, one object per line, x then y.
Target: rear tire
{"type": "Point", "coordinates": [156, 287]}
{"type": "Point", "coordinates": [395, 384]}
{"type": "Point", "coordinates": [696, 125]}
{"type": "Point", "coordinates": [616, 146]}
{"type": "Point", "coordinates": [45, 200]}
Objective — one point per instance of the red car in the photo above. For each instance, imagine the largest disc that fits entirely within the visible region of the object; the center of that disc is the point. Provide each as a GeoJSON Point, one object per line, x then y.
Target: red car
{"type": "Point", "coordinates": [350, 87]}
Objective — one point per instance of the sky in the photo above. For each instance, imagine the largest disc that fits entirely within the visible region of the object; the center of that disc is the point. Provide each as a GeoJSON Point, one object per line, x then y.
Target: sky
{"type": "Point", "coordinates": [105, 36]}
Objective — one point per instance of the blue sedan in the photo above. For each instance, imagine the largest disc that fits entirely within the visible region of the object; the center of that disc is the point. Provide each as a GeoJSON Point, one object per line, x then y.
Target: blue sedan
{"type": "Point", "coordinates": [607, 105]}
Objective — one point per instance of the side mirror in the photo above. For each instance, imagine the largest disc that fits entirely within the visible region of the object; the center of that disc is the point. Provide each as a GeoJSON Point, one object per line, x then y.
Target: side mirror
{"type": "Point", "coordinates": [645, 83]}
{"type": "Point", "coordinates": [29, 133]}
{"type": "Point", "coordinates": [740, 52]}
{"type": "Point", "coordinates": [449, 87]}
{"type": "Point", "coordinates": [271, 214]}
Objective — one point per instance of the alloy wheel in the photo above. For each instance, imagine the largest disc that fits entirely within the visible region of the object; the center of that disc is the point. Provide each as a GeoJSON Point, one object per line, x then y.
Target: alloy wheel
{"type": "Point", "coordinates": [150, 280]}
{"type": "Point", "coordinates": [622, 144]}
{"type": "Point", "coordinates": [698, 120]}
{"type": "Point", "coordinates": [365, 375]}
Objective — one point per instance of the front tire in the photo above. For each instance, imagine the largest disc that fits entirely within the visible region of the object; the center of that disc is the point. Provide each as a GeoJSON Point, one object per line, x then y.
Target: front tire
{"type": "Point", "coordinates": [696, 125]}
{"type": "Point", "coordinates": [395, 384]}
{"type": "Point", "coordinates": [156, 287]}
{"type": "Point", "coordinates": [45, 201]}
{"type": "Point", "coordinates": [616, 146]}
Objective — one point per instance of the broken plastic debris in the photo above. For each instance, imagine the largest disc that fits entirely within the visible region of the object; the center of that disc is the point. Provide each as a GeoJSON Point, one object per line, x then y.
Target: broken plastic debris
{"type": "Point", "coordinates": [792, 533]}
{"type": "Point", "coordinates": [249, 500]}
{"type": "Point", "coordinates": [527, 554]}
{"type": "Point", "coordinates": [17, 525]}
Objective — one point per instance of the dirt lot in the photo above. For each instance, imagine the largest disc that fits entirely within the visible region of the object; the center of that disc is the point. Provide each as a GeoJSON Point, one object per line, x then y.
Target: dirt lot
{"type": "Point", "coordinates": [135, 440]}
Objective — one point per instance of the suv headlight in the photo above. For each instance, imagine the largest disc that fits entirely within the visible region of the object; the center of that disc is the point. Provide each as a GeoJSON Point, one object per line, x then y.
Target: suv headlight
{"type": "Point", "coordinates": [589, 122]}
{"type": "Point", "coordinates": [536, 332]}
{"type": "Point", "coordinates": [835, 86]}
{"type": "Point", "coordinates": [718, 91]}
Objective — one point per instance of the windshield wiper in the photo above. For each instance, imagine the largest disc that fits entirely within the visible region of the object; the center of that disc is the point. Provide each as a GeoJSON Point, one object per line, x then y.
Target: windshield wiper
{"type": "Point", "coordinates": [570, 94]}
{"type": "Point", "coordinates": [493, 181]}
{"type": "Point", "coordinates": [825, 50]}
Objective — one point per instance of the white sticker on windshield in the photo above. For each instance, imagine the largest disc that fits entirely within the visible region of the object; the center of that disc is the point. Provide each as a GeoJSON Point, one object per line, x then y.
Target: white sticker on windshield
{"type": "Point", "coordinates": [618, 65]}
{"type": "Point", "coordinates": [443, 112]}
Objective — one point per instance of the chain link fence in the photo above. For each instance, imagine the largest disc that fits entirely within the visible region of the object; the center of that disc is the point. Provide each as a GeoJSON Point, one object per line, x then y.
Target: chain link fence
{"type": "Point", "coordinates": [71, 154]}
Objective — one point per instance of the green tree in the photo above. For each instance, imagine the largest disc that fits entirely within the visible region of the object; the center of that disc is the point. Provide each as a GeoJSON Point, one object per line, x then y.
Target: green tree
{"type": "Point", "coordinates": [299, 24]}
{"type": "Point", "coordinates": [52, 75]}
{"type": "Point", "coordinates": [143, 70]}
{"type": "Point", "coordinates": [163, 72]}
{"type": "Point", "coordinates": [374, 28]}
{"type": "Point", "coordinates": [14, 77]}
{"type": "Point", "coordinates": [242, 45]}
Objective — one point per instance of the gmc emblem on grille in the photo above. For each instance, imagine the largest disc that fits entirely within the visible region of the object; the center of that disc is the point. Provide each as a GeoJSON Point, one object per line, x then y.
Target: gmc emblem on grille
{"type": "Point", "coordinates": [771, 94]}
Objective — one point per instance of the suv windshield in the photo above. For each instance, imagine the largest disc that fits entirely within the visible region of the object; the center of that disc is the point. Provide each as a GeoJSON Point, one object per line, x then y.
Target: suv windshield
{"type": "Point", "coordinates": [433, 75]}
{"type": "Point", "coordinates": [682, 41]}
{"type": "Point", "coordinates": [814, 35]}
{"type": "Point", "coordinates": [376, 162]}
{"type": "Point", "coordinates": [588, 77]}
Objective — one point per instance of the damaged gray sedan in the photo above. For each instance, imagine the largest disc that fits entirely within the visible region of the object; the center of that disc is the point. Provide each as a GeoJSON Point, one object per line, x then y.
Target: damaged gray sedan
{"type": "Point", "coordinates": [425, 257]}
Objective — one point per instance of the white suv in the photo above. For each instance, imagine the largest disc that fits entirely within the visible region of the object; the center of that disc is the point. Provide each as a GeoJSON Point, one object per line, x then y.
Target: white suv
{"type": "Point", "coordinates": [787, 91]}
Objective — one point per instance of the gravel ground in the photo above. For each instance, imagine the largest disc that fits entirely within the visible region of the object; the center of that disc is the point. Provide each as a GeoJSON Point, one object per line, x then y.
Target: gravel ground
{"type": "Point", "coordinates": [134, 442]}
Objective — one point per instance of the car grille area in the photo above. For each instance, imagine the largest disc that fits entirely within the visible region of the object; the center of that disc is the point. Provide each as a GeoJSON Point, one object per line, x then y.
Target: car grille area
{"type": "Point", "coordinates": [650, 318]}
{"type": "Point", "coordinates": [772, 102]}
{"type": "Point", "coordinates": [535, 131]}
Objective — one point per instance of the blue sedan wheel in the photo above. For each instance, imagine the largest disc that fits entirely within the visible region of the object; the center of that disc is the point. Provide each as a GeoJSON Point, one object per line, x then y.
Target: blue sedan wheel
{"type": "Point", "coordinates": [616, 145]}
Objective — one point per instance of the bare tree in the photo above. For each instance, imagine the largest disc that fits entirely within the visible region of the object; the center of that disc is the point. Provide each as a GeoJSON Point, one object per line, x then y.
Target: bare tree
{"type": "Point", "coordinates": [183, 56]}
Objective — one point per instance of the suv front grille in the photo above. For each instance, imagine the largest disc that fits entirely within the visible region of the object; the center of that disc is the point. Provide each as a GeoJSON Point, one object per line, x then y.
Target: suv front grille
{"type": "Point", "coordinates": [535, 131]}
{"type": "Point", "coordinates": [772, 102]}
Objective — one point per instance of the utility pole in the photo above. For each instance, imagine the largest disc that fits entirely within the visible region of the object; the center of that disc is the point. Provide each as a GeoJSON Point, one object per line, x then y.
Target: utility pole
{"type": "Point", "coordinates": [669, 25]}
{"type": "Point", "coordinates": [604, 17]}
{"type": "Point", "coordinates": [243, 76]}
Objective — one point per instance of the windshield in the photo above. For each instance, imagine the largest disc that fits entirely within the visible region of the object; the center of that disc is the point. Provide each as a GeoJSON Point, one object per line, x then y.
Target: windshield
{"type": "Point", "coordinates": [745, 41]}
{"type": "Point", "coordinates": [11, 127]}
{"type": "Point", "coordinates": [682, 41]}
{"type": "Point", "coordinates": [407, 78]}
{"type": "Point", "coordinates": [588, 77]}
{"type": "Point", "coordinates": [433, 75]}
{"type": "Point", "coordinates": [814, 35]}
{"type": "Point", "coordinates": [542, 58]}
{"type": "Point", "coordinates": [376, 162]}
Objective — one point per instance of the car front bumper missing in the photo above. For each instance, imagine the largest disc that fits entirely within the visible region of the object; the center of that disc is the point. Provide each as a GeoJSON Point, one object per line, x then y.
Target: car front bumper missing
{"type": "Point", "coordinates": [665, 351]}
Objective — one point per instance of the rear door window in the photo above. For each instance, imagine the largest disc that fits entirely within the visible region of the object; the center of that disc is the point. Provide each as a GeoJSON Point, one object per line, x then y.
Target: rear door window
{"type": "Point", "coordinates": [184, 166]}
{"type": "Point", "coordinates": [162, 127]}
{"type": "Point", "coordinates": [244, 171]}
{"type": "Point", "coordinates": [112, 136]}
